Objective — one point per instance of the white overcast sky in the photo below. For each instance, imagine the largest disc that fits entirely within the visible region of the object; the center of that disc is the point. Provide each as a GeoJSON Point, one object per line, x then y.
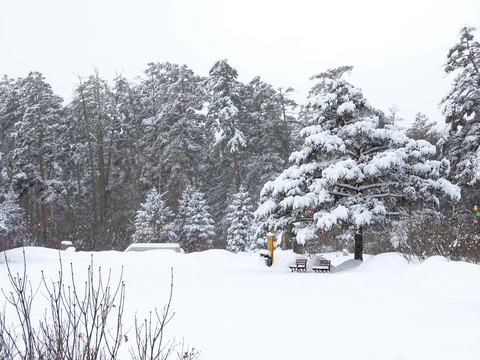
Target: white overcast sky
{"type": "Point", "coordinates": [396, 47]}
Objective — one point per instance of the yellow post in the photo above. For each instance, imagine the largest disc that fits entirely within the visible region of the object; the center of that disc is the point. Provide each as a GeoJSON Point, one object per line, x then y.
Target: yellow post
{"type": "Point", "coordinates": [270, 245]}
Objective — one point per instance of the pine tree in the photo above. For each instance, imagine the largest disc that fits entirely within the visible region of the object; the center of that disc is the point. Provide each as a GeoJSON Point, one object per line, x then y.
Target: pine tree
{"type": "Point", "coordinates": [228, 121]}
{"type": "Point", "coordinates": [240, 217]}
{"type": "Point", "coordinates": [461, 108]}
{"type": "Point", "coordinates": [226, 113]}
{"type": "Point", "coordinates": [153, 220]}
{"type": "Point", "coordinates": [423, 128]}
{"type": "Point", "coordinates": [176, 135]}
{"type": "Point", "coordinates": [194, 224]}
{"type": "Point", "coordinates": [352, 170]}
{"type": "Point", "coordinates": [290, 125]}
{"type": "Point", "coordinates": [36, 133]}
{"type": "Point", "coordinates": [11, 217]}
{"type": "Point", "coordinates": [9, 115]}
{"type": "Point", "coordinates": [95, 131]}
{"type": "Point", "coordinates": [128, 160]}
{"type": "Point", "coordinates": [264, 155]}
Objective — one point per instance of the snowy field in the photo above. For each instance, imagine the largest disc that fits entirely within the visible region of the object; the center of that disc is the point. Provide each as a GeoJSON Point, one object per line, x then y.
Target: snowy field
{"type": "Point", "coordinates": [232, 306]}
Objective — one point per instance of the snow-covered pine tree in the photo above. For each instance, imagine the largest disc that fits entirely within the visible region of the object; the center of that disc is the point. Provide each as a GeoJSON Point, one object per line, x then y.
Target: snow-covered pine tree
{"type": "Point", "coordinates": [11, 216]}
{"type": "Point", "coordinates": [9, 115]}
{"type": "Point", "coordinates": [153, 220]}
{"type": "Point", "coordinates": [128, 158]}
{"type": "Point", "coordinates": [176, 134]}
{"type": "Point", "coordinates": [461, 108]}
{"type": "Point", "coordinates": [225, 113]}
{"type": "Point", "coordinates": [149, 99]}
{"type": "Point", "coordinates": [264, 156]}
{"type": "Point", "coordinates": [352, 170]}
{"type": "Point", "coordinates": [228, 120]}
{"type": "Point", "coordinates": [194, 224]}
{"type": "Point", "coordinates": [94, 113]}
{"type": "Point", "coordinates": [423, 128]}
{"type": "Point", "coordinates": [240, 218]}
{"type": "Point", "coordinates": [35, 157]}
{"type": "Point", "coordinates": [290, 126]}
{"type": "Point", "coordinates": [183, 130]}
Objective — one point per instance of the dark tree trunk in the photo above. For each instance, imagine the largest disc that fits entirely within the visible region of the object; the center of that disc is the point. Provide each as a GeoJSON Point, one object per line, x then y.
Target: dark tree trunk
{"type": "Point", "coordinates": [286, 243]}
{"type": "Point", "coordinates": [102, 178]}
{"type": "Point", "coordinates": [359, 244]}
{"type": "Point", "coordinates": [298, 248]}
{"type": "Point", "coordinates": [236, 169]}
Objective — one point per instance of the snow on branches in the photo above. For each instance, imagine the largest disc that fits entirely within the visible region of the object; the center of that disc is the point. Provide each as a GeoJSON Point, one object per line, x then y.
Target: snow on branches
{"type": "Point", "coordinates": [352, 169]}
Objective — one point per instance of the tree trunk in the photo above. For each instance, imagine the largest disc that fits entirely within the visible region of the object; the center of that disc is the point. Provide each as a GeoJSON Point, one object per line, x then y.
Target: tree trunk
{"type": "Point", "coordinates": [44, 208]}
{"type": "Point", "coordinates": [298, 248]}
{"type": "Point", "coordinates": [159, 172]}
{"type": "Point", "coordinates": [102, 179]}
{"type": "Point", "coordinates": [93, 179]}
{"type": "Point", "coordinates": [359, 244]}
{"type": "Point", "coordinates": [236, 169]}
{"type": "Point", "coordinates": [86, 120]}
{"type": "Point", "coordinates": [79, 182]}
{"type": "Point", "coordinates": [287, 241]}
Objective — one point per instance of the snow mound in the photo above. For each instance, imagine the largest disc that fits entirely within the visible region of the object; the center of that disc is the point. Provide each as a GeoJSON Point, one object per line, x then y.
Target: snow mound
{"type": "Point", "coordinates": [384, 264]}
{"type": "Point", "coordinates": [32, 255]}
{"type": "Point", "coordinates": [347, 265]}
{"type": "Point", "coordinates": [436, 260]}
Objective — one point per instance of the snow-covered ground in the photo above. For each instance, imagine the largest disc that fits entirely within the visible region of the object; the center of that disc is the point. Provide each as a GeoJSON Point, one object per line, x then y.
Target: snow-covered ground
{"type": "Point", "coordinates": [232, 306]}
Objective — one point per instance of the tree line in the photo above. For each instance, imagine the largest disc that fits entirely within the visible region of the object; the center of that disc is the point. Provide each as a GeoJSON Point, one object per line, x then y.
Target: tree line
{"type": "Point", "coordinates": [81, 171]}
{"type": "Point", "coordinates": [174, 156]}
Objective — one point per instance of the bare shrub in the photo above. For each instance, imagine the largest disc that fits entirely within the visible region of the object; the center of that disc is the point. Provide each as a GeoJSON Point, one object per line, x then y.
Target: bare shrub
{"type": "Point", "coordinates": [187, 353]}
{"type": "Point", "coordinates": [75, 324]}
{"type": "Point", "coordinates": [79, 322]}
{"type": "Point", "coordinates": [455, 238]}
{"type": "Point", "coordinates": [150, 334]}
{"type": "Point", "coordinates": [150, 339]}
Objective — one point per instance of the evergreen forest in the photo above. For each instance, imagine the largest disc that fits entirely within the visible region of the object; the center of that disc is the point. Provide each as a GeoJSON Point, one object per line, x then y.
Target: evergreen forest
{"type": "Point", "coordinates": [212, 162]}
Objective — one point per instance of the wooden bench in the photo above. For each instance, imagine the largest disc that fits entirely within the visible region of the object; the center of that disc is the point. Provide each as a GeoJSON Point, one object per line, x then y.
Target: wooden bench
{"type": "Point", "coordinates": [323, 266]}
{"type": "Point", "coordinates": [300, 265]}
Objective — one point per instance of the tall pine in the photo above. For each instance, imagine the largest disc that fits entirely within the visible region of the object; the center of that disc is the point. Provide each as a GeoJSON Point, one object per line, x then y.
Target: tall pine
{"type": "Point", "coordinates": [35, 157]}
{"type": "Point", "coordinates": [461, 107]}
{"type": "Point", "coordinates": [352, 171]}
{"type": "Point", "coordinates": [226, 114]}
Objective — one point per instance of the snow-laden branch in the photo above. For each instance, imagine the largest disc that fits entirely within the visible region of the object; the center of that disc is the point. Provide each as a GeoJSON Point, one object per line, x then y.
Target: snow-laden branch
{"type": "Point", "coordinates": [374, 150]}
{"type": "Point", "coordinates": [325, 220]}
{"type": "Point", "coordinates": [338, 193]}
{"type": "Point", "coordinates": [362, 188]}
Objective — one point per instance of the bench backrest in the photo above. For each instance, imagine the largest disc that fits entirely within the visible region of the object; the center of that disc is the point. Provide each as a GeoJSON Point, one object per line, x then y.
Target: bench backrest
{"type": "Point", "coordinates": [325, 262]}
{"type": "Point", "coordinates": [301, 262]}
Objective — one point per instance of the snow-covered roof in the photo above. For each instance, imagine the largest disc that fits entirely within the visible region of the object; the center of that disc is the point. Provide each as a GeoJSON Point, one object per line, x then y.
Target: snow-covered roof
{"type": "Point", "coordinates": [154, 246]}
